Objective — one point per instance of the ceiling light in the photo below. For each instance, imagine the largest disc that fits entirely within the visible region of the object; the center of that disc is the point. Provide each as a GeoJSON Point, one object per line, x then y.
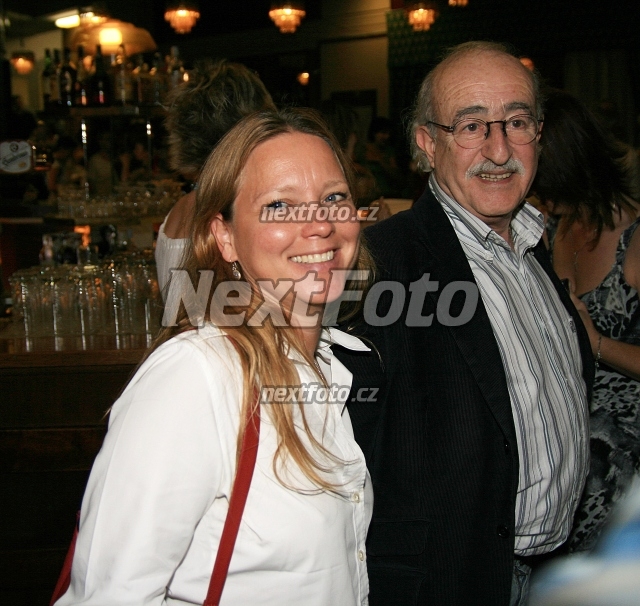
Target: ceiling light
{"type": "Point", "coordinates": [421, 15]}
{"type": "Point", "coordinates": [287, 15]}
{"type": "Point", "coordinates": [110, 35]}
{"type": "Point", "coordinates": [182, 16]}
{"type": "Point", "coordinates": [68, 22]}
{"type": "Point", "coordinates": [23, 62]}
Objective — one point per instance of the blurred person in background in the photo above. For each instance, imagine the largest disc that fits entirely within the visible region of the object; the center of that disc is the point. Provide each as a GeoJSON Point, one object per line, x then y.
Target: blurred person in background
{"type": "Point", "coordinates": [343, 123]}
{"type": "Point", "coordinates": [380, 158]}
{"type": "Point", "coordinates": [607, 576]}
{"type": "Point", "coordinates": [67, 167]}
{"type": "Point", "coordinates": [136, 163]}
{"type": "Point", "coordinates": [101, 172]}
{"type": "Point", "coordinates": [595, 244]}
{"type": "Point", "coordinates": [606, 111]}
{"type": "Point", "coordinates": [199, 113]}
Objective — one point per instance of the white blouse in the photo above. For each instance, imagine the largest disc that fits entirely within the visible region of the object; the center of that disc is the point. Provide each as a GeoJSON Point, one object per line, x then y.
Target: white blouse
{"type": "Point", "coordinates": [157, 497]}
{"type": "Point", "coordinates": [169, 254]}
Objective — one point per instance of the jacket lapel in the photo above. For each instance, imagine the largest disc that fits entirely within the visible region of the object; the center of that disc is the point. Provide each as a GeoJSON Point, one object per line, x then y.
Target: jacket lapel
{"type": "Point", "coordinates": [446, 262]}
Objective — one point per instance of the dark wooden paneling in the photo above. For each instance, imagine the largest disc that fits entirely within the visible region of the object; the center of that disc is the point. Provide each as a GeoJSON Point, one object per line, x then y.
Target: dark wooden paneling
{"type": "Point", "coordinates": [49, 449]}
{"type": "Point", "coordinates": [53, 417]}
{"type": "Point", "coordinates": [59, 396]}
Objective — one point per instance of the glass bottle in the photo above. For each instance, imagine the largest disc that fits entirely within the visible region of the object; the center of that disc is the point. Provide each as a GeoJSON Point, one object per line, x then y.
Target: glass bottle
{"type": "Point", "coordinates": [82, 80]}
{"type": "Point", "coordinates": [67, 80]}
{"type": "Point", "coordinates": [122, 81]}
{"type": "Point", "coordinates": [158, 80]}
{"type": "Point", "coordinates": [100, 93]}
{"type": "Point", "coordinates": [175, 69]}
{"type": "Point", "coordinates": [142, 82]}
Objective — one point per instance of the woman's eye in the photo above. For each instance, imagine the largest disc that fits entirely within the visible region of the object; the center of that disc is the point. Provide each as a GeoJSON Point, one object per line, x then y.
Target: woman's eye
{"type": "Point", "coordinates": [277, 204]}
{"type": "Point", "coordinates": [336, 197]}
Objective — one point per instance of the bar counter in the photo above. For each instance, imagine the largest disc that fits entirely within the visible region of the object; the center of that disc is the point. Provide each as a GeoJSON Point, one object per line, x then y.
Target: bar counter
{"type": "Point", "coordinates": [55, 394]}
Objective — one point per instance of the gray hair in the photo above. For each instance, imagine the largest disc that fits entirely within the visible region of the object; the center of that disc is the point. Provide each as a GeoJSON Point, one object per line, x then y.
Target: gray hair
{"type": "Point", "coordinates": [424, 108]}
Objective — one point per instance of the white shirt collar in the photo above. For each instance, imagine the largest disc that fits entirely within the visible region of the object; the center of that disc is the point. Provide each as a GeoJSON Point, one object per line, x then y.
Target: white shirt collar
{"type": "Point", "coordinates": [527, 223]}
{"type": "Point", "coordinates": [328, 337]}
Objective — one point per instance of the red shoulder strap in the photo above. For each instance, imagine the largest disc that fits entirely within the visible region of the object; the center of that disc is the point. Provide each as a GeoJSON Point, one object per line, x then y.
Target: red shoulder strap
{"type": "Point", "coordinates": [239, 492]}
{"type": "Point", "coordinates": [64, 580]}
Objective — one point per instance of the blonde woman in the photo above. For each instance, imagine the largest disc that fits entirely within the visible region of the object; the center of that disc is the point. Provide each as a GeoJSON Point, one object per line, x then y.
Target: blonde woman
{"type": "Point", "coordinates": [158, 494]}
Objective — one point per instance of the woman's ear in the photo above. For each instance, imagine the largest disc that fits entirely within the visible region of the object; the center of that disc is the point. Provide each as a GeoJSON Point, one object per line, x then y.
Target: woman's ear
{"type": "Point", "coordinates": [223, 233]}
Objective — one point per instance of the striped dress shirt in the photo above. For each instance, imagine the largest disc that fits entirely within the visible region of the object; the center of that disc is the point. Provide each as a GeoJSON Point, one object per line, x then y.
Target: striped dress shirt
{"type": "Point", "coordinates": [538, 344]}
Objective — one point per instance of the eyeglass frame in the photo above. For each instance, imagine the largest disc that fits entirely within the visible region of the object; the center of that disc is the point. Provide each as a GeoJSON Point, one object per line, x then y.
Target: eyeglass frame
{"type": "Point", "coordinates": [451, 128]}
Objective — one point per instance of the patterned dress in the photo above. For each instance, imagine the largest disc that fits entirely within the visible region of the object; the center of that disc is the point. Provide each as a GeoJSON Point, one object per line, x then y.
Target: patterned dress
{"type": "Point", "coordinates": [614, 307]}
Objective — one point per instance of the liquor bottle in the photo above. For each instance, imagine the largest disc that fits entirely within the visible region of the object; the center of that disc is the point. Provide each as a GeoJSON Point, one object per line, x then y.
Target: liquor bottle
{"type": "Point", "coordinates": [142, 82]}
{"type": "Point", "coordinates": [67, 80]}
{"type": "Point", "coordinates": [158, 80]}
{"type": "Point", "coordinates": [100, 91]}
{"type": "Point", "coordinates": [175, 69]}
{"type": "Point", "coordinates": [82, 80]}
{"type": "Point", "coordinates": [47, 71]}
{"type": "Point", "coordinates": [54, 79]}
{"type": "Point", "coordinates": [122, 82]}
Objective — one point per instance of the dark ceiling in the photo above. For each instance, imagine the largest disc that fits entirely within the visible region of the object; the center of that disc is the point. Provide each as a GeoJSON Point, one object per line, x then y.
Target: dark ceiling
{"type": "Point", "coordinates": [217, 16]}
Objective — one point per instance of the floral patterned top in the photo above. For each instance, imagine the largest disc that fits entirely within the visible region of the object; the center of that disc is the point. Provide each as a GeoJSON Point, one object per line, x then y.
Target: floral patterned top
{"type": "Point", "coordinates": [614, 307]}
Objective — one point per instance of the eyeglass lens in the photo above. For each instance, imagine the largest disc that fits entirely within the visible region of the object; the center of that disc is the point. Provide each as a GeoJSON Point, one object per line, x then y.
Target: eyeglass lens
{"type": "Point", "coordinates": [471, 132]}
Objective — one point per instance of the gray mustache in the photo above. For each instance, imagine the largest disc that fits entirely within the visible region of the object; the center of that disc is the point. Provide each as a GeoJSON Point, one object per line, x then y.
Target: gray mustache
{"type": "Point", "coordinates": [511, 165]}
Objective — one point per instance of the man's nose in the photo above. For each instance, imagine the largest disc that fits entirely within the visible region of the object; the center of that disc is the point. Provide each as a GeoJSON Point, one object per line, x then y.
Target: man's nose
{"type": "Point", "coordinates": [496, 146]}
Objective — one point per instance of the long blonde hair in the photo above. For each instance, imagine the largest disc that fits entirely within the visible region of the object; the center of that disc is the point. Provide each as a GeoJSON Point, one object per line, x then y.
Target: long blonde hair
{"type": "Point", "coordinates": [258, 348]}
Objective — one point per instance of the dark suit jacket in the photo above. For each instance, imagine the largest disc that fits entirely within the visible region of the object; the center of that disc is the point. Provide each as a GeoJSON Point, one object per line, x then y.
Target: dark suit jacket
{"type": "Point", "coordinates": [439, 438]}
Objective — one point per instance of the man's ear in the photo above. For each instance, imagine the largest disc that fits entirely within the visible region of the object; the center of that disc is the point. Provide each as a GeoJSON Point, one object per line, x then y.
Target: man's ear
{"type": "Point", "coordinates": [426, 142]}
{"type": "Point", "coordinates": [223, 233]}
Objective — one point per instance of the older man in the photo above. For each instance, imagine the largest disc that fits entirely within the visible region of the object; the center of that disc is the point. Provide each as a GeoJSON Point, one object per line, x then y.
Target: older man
{"type": "Point", "coordinates": [477, 439]}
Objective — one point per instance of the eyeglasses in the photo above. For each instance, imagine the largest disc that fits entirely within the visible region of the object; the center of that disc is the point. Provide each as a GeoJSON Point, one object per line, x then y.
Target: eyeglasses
{"type": "Point", "coordinates": [473, 132]}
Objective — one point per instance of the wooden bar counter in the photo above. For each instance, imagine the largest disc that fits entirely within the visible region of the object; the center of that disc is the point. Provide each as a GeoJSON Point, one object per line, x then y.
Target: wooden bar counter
{"type": "Point", "coordinates": [54, 398]}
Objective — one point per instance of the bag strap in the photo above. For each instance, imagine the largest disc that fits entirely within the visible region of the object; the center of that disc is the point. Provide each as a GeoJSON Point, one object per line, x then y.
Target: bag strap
{"type": "Point", "coordinates": [64, 580]}
{"type": "Point", "coordinates": [239, 492]}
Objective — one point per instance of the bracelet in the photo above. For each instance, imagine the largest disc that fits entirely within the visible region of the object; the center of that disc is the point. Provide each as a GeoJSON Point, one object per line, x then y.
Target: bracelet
{"type": "Point", "coordinates": [598, 354]}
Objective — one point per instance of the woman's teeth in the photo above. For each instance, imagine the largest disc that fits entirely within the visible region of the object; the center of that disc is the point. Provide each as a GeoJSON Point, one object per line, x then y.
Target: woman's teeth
{"type": "Point", "coordinates": [321, 258]}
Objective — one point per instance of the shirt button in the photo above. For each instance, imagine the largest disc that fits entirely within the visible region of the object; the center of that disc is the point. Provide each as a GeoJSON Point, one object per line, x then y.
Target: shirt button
{"type": "Point", "coordinates": [361, 555]}
{"type": "Point", "coordinates": [507, 448]}
{"type": "Point", "coordinates": [503, 532]}
{"type": "Point", "coordinates": [355, 497]}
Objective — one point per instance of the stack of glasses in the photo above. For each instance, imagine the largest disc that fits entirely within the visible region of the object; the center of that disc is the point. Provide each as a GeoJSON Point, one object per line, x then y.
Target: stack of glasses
{"type": "Point", "coordinates": [116, 298]}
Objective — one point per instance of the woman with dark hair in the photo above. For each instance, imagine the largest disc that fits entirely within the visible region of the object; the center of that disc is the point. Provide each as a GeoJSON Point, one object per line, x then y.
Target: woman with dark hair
{"type": "Point", "coordinates": [595, 244]}
{"type": "Point", "coordinates": [158, 493]}
{"type": "Point", "coordinates": [199, 113]}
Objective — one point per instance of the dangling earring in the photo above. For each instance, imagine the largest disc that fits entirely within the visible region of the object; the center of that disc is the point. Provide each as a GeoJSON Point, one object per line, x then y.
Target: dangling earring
{"type": "Point", "coordinates": [235, 271]}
